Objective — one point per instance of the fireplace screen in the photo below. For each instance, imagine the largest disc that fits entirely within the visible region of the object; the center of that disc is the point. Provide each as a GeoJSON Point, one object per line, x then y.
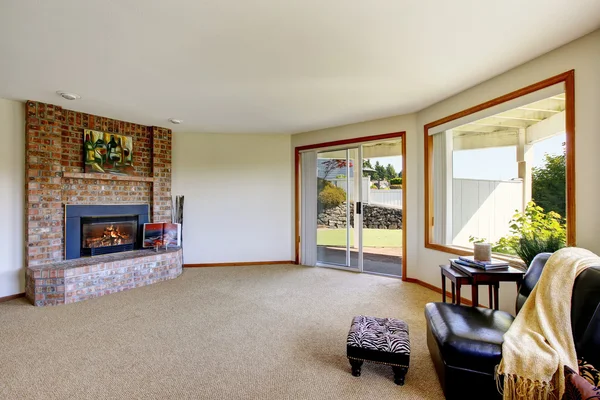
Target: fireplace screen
{"type": "Point", "coordinates": [102, 236]}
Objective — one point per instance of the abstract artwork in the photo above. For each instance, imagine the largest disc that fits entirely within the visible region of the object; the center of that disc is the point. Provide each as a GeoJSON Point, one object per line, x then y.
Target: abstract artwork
{"type": "Point", "coordinates": [106, 152]}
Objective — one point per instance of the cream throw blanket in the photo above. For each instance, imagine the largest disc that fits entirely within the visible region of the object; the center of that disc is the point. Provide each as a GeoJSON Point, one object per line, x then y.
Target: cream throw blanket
{"type": "Point", "coordinates": [540, 342]}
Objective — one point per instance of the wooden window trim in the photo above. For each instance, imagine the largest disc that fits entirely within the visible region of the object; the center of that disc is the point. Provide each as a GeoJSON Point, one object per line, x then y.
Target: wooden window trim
{"type": "Point", "coordinates": [568, 79]}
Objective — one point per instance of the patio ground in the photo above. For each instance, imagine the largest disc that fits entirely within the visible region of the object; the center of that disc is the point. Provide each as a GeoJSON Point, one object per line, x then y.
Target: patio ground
{"type": "Point", "coordinates": [371, 237]}
{"type": "Point", "coordinates": [382, 249]}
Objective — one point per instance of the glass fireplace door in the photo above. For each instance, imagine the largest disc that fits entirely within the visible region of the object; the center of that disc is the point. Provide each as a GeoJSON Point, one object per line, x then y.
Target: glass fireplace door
{"type": "Point", "coordinates": [103, 235]}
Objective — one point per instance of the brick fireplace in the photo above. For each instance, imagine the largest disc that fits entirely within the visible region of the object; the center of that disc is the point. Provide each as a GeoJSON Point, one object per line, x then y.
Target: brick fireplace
{"type": "Point", "coordinates": [55, 178]}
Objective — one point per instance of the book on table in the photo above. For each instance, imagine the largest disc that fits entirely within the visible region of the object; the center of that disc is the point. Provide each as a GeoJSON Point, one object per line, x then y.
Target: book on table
{"type": "Point", "coordinates": [456, 266]}
{"type": "Point", "coordinates": [464, 266]}
{"type": "Point", "coordinates": [494, 262]}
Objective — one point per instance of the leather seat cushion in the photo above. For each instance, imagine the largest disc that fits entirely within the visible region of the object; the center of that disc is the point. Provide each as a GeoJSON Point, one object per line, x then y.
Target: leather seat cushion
{"type": "Point", "coordinates": [585, 315]}
{"type": "Point", "coordinates": [468, 337]}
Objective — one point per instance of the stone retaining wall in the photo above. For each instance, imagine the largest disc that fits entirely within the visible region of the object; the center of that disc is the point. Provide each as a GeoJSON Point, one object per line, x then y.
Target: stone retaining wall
{"type": "Point", "coordinates": [375, 217]}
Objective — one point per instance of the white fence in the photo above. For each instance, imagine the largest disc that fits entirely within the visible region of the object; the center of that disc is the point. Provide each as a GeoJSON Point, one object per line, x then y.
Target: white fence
{"type": "Point", "coordinates": [387, 197]}
{"type": "Point", "coordinates": [384, 197]}
{"type": "Point", "coordinates": [483, 208]}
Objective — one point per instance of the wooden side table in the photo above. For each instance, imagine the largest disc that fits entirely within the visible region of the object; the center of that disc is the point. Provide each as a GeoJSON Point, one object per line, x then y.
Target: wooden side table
{"type": "Point", "coordinates": [475, 277]}
{"type": "Point", "coordinates": [493, 279]}
{"type": "Point", "coordinates": [457, 278]}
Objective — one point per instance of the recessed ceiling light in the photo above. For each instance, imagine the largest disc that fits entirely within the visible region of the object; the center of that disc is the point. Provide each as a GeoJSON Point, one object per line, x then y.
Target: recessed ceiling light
{"type": "Point", "coordinates": [175, 121]}
{"type": "Point", "coordinates": [68, 96]}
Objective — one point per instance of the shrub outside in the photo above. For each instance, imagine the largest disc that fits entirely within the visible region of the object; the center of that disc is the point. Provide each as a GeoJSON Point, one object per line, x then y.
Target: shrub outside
{"type": "Point", "coordinates": [332, 196]}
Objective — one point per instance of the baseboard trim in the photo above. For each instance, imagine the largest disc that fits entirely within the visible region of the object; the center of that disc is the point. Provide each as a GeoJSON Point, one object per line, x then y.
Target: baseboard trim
{"type": "Point", "coordinates": [437, 290]}
{"type": "Point", "coordinates": [237, 264]}
{"type": "Point", "coordinates": [12, 297]}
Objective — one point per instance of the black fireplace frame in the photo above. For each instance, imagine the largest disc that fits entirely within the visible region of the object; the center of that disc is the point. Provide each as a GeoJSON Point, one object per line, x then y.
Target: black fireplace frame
{"type": "Point", "coordinates": [74, 213]}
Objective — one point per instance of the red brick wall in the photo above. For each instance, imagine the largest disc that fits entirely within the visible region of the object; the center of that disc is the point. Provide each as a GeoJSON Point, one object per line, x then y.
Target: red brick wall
{"type": "Point", "coordinates": [54, 145]}
{"type": "Point", "coordinates": [99, 191]}
{"type": "Point", "coordinates": [161, 167]}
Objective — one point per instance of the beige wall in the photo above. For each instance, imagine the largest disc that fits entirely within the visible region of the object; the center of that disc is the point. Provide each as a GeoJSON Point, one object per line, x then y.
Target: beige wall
{"type": "Point", "coordinates": [237, 196]}
{"type": "Point", "coordinates": [12, 192]}
{"type": "Point", "coordinates": [404, 123]}
{"type": "Point", "coordinates": [583, 55]}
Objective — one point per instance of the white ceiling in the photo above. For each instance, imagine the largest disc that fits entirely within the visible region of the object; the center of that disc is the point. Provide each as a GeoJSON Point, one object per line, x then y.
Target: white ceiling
{"type": "Point", "coordinates": [270, 66]}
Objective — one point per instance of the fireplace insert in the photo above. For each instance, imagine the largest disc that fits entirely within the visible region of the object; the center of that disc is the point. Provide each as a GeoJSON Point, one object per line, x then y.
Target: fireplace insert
{"type": "Point", "coordinates": [103, 235]}
{"type": "Point", "coordinates": [103, 228]}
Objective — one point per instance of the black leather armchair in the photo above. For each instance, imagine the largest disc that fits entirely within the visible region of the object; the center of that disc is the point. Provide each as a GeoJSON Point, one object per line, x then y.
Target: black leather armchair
{"type": "Point", "coordinates": [466, 342]}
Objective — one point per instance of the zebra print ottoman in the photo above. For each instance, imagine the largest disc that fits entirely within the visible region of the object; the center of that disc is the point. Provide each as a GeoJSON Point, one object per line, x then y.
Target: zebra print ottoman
{"type": "Point", "coordinates": [379, 340]}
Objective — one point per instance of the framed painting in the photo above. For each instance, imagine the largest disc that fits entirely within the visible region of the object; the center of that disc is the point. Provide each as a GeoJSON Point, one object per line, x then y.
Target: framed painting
{"type": "Point", "coordinates": [106, 152]}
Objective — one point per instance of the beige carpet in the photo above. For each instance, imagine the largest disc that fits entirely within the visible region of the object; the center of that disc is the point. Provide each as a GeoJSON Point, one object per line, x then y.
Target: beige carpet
{"type": "Point", "coordinates": [261, 332]}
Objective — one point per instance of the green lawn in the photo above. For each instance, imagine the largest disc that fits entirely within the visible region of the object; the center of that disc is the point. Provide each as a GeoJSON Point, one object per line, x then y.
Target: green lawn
{"type": "Point", "coordinates": [371, 237]}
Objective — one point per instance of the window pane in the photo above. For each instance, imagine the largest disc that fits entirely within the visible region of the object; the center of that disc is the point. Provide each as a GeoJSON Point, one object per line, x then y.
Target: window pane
{"type": "Point", "coordinates": [488, 170]}
{"type": "Point", "coordinates": [333, 169]}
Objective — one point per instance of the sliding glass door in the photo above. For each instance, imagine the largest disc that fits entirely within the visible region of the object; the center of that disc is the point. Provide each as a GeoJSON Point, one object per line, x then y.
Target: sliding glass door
{"type": "Point", "coordinates": [352, 209]}
{"type": "Point", "coordinates": [383, 208]}
{"type": "Point", "coordinates": [338, 221]}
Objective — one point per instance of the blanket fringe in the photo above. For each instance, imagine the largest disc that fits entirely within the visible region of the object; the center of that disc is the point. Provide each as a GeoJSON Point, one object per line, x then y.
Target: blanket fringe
{"type": "Point", "coordinates": [519, 388]}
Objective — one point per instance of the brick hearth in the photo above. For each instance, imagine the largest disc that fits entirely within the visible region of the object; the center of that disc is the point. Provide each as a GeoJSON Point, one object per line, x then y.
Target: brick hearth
{"type": "Point", "coordinates": [55, 177]}
{"type": "Point", "coordinates": [85, 278]}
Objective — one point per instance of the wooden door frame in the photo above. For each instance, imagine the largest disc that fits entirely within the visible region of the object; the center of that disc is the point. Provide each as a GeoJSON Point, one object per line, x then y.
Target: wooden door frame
{"type": "Point", "coordinates": [568, 79]}
{"type": "Point", "coordinates": [361, 140]}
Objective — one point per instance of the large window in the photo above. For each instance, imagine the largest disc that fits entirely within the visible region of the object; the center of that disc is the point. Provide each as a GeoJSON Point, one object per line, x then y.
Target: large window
{"type": "Point", "coordinates": [510, 156]}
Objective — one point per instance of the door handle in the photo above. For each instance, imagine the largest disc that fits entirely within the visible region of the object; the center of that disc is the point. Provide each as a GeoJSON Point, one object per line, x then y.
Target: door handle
{"type": "Point", "coordinates": [358, 207]}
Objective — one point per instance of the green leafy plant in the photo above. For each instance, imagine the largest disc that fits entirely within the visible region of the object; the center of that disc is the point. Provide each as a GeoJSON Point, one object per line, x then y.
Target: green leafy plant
{"type": "Point", "coordinates": [531, 232]}
{"type": "Point", "coordinates": [379, 173]}
{"type": "Point", "coordinates": [390, 172]}
{"type": "Point", "coordinates": [535, 231]}
{"type": "Point", "coordinates": [548, 183]}
{"type": "Point", "coordinates": [531, 245]}
{"type": "Point", "coordinates": [323, 183]}
{"type": "Point", "coordinates": [332, 196]}
{"type": "Point", "coordinates": [396, 181]}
